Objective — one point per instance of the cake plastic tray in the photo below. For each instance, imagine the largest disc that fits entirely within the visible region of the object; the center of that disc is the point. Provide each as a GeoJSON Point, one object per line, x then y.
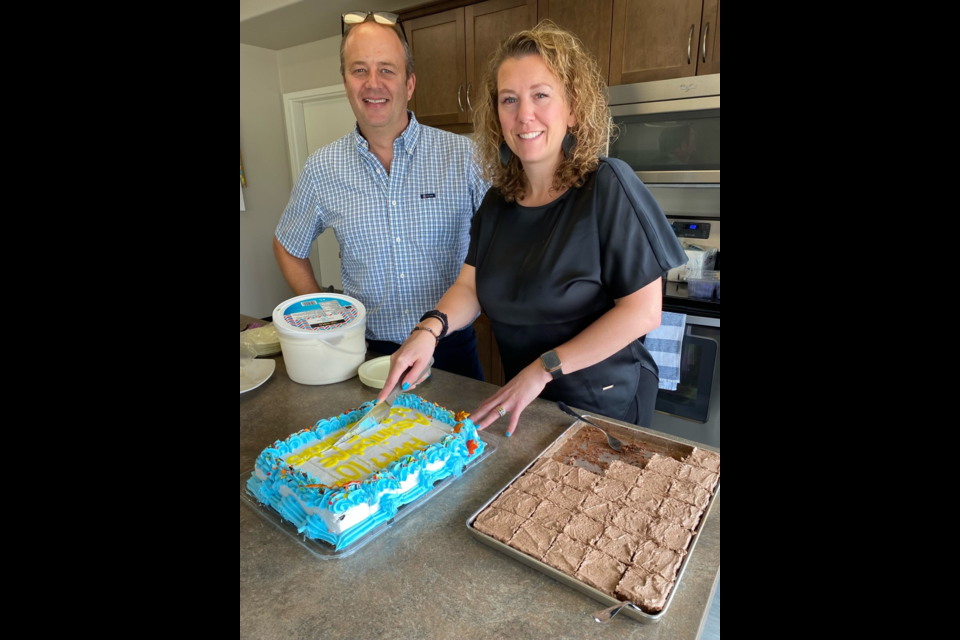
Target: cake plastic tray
{"type": "Point", "coordinates": [586, 450]}
{"type": "Point", "coordinates": [324, 550]}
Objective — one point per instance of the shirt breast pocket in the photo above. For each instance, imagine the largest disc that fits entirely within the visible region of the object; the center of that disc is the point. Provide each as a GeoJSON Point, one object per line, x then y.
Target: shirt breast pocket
{"type": "Point", "coordinates": [439, 229]}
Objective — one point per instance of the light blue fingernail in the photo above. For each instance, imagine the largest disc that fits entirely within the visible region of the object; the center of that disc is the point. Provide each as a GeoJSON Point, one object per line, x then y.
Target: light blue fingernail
{"type": "Point", "coordinates": [406, 385]}
{"type": "Point", "coordinates": [509, 434]}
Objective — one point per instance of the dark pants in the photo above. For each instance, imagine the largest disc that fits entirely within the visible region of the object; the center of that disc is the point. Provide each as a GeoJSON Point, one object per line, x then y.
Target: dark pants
{"type": "Point", "coordinates": [457, 353]}
{"type": "Point", "coordinates": [645, 404]}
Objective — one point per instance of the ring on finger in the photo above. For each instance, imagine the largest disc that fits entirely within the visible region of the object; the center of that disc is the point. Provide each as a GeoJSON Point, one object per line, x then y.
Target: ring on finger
{"type": "Point", "coordinates": [501, 411]}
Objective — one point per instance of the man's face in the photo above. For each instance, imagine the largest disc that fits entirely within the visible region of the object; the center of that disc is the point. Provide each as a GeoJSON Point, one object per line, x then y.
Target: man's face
{"type": "Point", "coordinates": [374, 76]}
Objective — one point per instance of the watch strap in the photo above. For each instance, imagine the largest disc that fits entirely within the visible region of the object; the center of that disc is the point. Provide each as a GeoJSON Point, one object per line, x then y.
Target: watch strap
{"type": "Point", "coordinates": [555, 371]}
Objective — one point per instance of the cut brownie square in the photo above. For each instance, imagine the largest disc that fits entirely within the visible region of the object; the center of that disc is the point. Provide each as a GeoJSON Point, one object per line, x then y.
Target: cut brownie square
{"type": "Point", "coordinates": [689, 493]}
{"type": "Point", "coordinates": [535, 485]}
{"type": "Point", "coordinates": [567, 497]}
{"type": "Point", "coordinates": [518, 502]}
{"type": "Point", "coordinates": [551, 469]}
{"type": "Point", "coordinates": [566, 555]}
{"type": "Point", "coordinates": [623, 472]}
{"type": "Point", "coordinates": [619, 544]}
{"type": "Point", "coordinates": [669, 535]}
{"type": "Point", "coordinates": [551, 516]}
{"type": "Point", "coordinates": [680, 513]}
{"type": "Point", "coordinates": [633, 522]}
{"type": "Point", "coordinates": [612, 490]}
{"type": "Point", "coordinates": [498, 524]}
{"type": "Point", "coordinates": [706, 459]}
{"type": "Point", "coordinates": [655, 483]}
{"type": "Point", "coordinates": [699, 476]}
{"type": "Point", "coordinates": [645, 501]}
{"type": "Point", "coordinates": [580, 479]}
{"type": "Point", "coordinates": [658, 560]}
{"type": "Point", "coordinates": [583, 529]}
{"type": "Point", "coordinates": [601, 571]}
{"type": "Point", "coordinates": [647, 590]}
{"type": "Point", "coordinates": [664, 466]}
{"type": "Point", "coordinates": [598, 508]}
{"type": "Point", "coordinates": [533, 539]}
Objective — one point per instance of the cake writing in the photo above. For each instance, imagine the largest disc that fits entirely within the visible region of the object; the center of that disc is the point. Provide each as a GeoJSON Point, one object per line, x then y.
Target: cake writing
{"type": "Point", "coordinates": [351, 461]}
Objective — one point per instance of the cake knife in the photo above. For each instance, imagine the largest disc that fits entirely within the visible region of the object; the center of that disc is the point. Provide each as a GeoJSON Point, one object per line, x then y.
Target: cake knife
{"type": "Point", "coordinates": [380, 411]}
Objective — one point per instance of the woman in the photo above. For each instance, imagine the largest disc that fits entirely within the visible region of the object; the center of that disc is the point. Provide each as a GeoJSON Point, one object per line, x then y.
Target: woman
{"type": "Point", "coordinates": [567, 249]}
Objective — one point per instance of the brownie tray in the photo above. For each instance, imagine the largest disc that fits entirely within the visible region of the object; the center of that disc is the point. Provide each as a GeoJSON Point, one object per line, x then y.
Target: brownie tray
{"type": "Point", "coordinates": [584, 446]}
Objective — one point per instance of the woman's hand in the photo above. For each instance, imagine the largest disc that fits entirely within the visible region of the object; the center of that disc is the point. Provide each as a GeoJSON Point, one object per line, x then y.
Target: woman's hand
{"type": "Point", "coordinates": [513, 398]}
{"type": "Point", "coordinates": [412, 358]}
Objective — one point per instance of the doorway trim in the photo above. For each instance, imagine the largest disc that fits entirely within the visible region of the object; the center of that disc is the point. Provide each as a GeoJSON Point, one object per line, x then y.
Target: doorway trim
{"type": "Point", "coordinates": [293, 104]}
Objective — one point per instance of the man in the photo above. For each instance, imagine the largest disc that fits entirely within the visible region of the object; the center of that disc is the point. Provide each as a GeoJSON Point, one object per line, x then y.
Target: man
{"type": "Point", "coordinates": [398, 195]}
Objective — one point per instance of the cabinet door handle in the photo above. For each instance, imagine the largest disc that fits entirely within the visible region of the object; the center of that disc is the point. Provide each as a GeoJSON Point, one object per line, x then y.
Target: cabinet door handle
{"type": "Point", "coordinates": [690, 45]}
{"type": "Point", "coordinates": [459, 91]}
{"type": "Point", "coordinates": [469, 106]}
{"type": "Point", "coordinates": [706, 30]}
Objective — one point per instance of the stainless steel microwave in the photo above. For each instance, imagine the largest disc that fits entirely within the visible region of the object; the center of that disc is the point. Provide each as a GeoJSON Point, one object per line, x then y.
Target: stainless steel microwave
{"type": "Point", "coordinates": [669, 130]}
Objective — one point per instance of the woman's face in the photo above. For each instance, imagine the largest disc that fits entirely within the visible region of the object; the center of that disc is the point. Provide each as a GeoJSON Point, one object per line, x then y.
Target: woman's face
{"type": "Point", "coordinates": [533, 109]}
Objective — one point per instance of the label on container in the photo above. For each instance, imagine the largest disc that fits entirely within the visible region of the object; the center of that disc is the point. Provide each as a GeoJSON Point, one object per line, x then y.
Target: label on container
{"type": "Point", "coordinates": [320, 314]}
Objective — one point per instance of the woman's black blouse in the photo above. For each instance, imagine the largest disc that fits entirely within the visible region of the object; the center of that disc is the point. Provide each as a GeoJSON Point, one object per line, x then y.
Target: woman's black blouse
{"type": "Point", "coordinates": [544, 274]}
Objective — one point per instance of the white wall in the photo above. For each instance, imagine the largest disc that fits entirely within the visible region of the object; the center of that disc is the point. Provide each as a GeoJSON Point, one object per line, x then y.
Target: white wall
{"type": "Point", "coordinates": [310, 66]}
{"type": "Point", "coordinates": [267, 171]}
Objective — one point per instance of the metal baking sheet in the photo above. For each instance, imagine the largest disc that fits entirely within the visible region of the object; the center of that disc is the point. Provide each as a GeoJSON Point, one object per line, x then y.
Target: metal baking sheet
{"type": "Point", "coordinates": [324, 550]}
{"type": "Point", "coordinates": [584, 446]}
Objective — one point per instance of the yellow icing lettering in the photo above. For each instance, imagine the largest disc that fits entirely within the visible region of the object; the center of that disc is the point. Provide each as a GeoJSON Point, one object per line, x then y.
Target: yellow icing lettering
{"type": "Point", "coordinates": [334, 458]}
{"type": "Point", "coordinates": [347, 471]}
{"type": "Point", "coordinates": [409, 448]}
{"type": "Point", "coordinates": [307, 454]}
{"type": "Point", "coordinates": [382, 465]}
{"type": "Point", "coordinates": [404, 425]}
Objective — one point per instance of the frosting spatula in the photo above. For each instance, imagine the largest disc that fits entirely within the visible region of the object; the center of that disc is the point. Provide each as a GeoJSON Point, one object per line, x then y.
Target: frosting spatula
{"type": "Point", "coordinates": [380, 411]}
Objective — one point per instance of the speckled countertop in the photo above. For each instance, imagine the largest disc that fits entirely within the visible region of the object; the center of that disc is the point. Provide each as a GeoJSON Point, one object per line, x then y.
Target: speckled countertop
{"type": "Point", "coordinates": [427, 578]}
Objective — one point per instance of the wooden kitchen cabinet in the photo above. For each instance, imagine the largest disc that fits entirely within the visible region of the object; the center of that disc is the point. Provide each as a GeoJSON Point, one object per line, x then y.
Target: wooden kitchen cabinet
{"type": "Point", "coordinates": [664, 39]}
{"type": "Point", "coordinates": [450, 52]}
{"type": "Point", "coordinates": [589, 21]}
{"type": "Point", "coordinates": [489, 353]}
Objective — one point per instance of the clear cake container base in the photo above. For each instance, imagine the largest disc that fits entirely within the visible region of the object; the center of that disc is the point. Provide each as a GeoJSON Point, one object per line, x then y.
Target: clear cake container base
{"type": "Point", "coordinates": [587, 453]}
{"type": "Point", "coordinates": [326, 551]}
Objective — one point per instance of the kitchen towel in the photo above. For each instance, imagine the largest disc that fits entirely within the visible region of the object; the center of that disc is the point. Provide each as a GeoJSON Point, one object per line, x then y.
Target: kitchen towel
{"type": "Point", "coordinates": [664, 344]}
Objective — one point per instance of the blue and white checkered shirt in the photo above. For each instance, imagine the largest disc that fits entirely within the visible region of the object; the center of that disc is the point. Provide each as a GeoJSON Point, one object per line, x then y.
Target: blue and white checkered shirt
{"type": "Point", "coordinates": [404, 235]}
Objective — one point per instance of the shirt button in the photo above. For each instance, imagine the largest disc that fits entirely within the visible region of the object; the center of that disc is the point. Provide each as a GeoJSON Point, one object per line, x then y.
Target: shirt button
{"type": "Point", "coordinates": [378, 171]}
{"type": "Point", "coordinates": [401, 275]}
{"type": "Point", "coordinates": [394, 203]}
{"type": "Point", "coordinates": [398, 239]}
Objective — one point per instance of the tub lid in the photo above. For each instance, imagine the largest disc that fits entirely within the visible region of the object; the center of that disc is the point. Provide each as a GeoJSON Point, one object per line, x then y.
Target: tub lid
{"type": "Point", "coordinates": [319, 313]}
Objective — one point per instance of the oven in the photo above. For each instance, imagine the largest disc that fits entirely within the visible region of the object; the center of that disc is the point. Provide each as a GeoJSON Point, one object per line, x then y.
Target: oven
{"type": "Point", "coordinates": [693, 410]}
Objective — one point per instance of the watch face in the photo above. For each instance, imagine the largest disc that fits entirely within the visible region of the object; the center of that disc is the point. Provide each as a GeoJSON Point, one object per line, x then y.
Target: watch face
{"type": "Point", "coordinates": [550, 360]}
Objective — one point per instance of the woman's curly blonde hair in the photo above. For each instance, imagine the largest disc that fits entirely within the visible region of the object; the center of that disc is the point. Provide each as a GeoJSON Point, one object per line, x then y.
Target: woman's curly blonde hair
{"type": "Point", "coordinates": [585, 88]}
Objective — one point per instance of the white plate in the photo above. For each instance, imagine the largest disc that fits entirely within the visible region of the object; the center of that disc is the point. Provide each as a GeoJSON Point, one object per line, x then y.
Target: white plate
{"type": "Point", "coordinates": [373, 373]}
{"type": "Point", "coordinates": [256, 373]}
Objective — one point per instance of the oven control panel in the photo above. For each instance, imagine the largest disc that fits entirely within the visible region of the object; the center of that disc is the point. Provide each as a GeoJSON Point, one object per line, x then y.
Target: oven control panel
{"type": "Point", "coordinates": [699, 230]}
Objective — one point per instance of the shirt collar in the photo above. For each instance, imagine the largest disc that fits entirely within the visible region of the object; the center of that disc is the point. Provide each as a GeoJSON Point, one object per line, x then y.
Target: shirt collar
{"type": "Point", "coordinates": [408, 140]}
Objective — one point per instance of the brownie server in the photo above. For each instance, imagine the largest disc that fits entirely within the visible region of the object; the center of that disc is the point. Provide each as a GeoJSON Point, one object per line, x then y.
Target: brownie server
{"type": "Point", "coordinates": [651, 444]}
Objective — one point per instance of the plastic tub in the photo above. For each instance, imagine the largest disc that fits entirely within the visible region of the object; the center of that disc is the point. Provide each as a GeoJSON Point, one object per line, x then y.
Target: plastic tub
{"type": "Point", "coordinates": [704, 285]}
{"type": "Point", "coordinates": [322, 337]}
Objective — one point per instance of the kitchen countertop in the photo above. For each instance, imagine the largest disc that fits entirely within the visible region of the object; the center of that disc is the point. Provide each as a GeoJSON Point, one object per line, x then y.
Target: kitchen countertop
{"type": "Point", "coordinates": [427, 577]}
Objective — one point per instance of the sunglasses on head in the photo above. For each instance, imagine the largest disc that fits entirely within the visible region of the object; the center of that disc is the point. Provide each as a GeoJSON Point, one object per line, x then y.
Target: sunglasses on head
{"type": "Point", "coordinates": [356, 17]}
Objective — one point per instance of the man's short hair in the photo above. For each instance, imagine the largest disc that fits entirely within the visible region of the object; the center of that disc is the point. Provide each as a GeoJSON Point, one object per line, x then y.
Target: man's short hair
{"type": "Point", "coordinates": [396, 28]}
